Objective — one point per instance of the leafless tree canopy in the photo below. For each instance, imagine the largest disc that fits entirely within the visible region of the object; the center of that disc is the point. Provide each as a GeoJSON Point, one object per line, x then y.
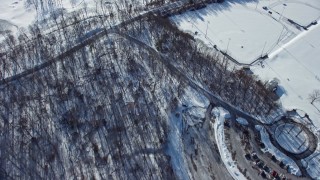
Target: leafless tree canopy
{"type": "Point", "coordinates": [314, 96]}
{"type": "Point", "coordinates": [79, 101]}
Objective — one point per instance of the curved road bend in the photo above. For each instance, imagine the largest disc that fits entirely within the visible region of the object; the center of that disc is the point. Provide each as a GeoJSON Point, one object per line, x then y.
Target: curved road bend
{"type": "Point", "coordinates": [89, 40]}
{"type": "Point", "coordinates": [169, 7]}
{"type": "Point", "coordinates": [213, 98]}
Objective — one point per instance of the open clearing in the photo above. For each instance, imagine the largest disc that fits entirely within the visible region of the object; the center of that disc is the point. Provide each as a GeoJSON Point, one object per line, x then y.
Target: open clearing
{"type": "Point", "coordinates": [240, 30]}
{"type": "Point", "coordinates": [297, 67]}
{"type": "Point", "coordinates": [246, 31]}
{"type": "Point", "coordinates": [296, 11]}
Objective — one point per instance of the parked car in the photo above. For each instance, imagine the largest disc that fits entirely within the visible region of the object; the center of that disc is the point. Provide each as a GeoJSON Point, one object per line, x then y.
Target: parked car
{"type": "Point", "coordinates": [274, 174]}
{"type": "Point", "coordinates": [254, 156]}
{"type": "Point", "coordinates": [260, 164]}
{"type": "Point", "coordinates": [248, 156]}
{"type": "Point", "coordinates": [266, 168]}
{"type": "Point", "coordinates": [263, 175]}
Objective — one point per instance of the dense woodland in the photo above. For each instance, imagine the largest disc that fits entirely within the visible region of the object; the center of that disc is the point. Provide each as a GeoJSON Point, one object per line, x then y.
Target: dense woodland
{"type": "Point", "coordinates": [81, 101]}
{"type": "Point", "coordinates": [206, 66]}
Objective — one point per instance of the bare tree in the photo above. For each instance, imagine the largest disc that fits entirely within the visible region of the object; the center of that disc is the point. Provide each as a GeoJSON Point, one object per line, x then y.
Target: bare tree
{"type": "Point", "coordinates": [314, 96]}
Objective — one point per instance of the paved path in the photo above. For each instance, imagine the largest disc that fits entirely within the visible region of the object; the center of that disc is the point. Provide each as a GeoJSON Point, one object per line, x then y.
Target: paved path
{"type": "Point", "coordinates": [234, 139]}
{"type": "Point", "coordinates": [216, 100]}
{"type": "Point", "coordinates": [160, 11]}
{"type": "Point", "coordinates": [174, 70]}
{"type": "Point", "coordinates": [98, 34]}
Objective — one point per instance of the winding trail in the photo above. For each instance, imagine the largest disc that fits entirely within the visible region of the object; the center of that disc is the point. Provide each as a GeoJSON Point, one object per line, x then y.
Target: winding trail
{"type": "Point", "coordinates": [214, 99]}
{"type": "Point", "coordinates": [159, 11]}
{"type": "Point", "coordinates": [95, 36]}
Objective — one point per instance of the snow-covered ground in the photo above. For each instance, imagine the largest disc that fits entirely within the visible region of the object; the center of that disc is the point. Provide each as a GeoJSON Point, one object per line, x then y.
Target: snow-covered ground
{"type": "Point", "coordinates": [296, 65]}
{"type": "Point", "coordinates": [195, 106]}
{"type": "Point", "coordinates": [242, 121]}
{"type": "Point", "coordinates": [225, 154]}
{"type": "Point", "coordinates": [292, 138]}
{"type": "Point", "coordinates": [293, 168]}
{"type": "Point", "coordinates": [175, 145]}
{"type": "Point", "coordinates": [16, 14]}
{"type": "Point", "coordinates": [246, 31]}
{"type": "Point", "coordinates": [242, 31]}
{"type": "Point", "coordinates": [190, 100]}
{"type": "Point", "coordinates": [20, 14]}
{"type": "Point", "coordinates": [300, 12]}
{"type": "Point", "coordinates": [312, 165]}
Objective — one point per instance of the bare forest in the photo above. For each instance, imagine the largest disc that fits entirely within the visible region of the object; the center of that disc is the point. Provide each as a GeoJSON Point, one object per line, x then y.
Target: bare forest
{"type": "Point", "coordinates": [89, 95]}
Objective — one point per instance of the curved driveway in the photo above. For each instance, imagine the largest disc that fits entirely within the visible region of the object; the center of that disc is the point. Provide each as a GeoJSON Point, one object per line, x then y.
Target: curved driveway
{"type": "Point", "coordinates": [174, 70]}
{"type": "Point", "coordinates": [218, 101]}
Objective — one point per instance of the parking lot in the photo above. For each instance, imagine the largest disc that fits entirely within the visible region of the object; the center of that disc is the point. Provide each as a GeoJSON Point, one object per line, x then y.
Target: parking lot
{"type": "Point", "coordinates": [246, 147]}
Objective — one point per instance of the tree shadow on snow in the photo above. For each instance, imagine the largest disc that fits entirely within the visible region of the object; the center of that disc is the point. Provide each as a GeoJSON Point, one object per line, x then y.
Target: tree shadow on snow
{"type": "Point", "coordinates": [212, 9]}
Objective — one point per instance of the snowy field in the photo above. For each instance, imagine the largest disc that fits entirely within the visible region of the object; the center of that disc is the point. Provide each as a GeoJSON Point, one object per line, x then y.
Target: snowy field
{"type": "Point", "coordinates": [242, 31]}
{"type": "Point", "coordinates": [296, 65]}
{"type": "Point", "coordinates": [295, 62]}
{"type": "Point", "coordinates": [246, 31]}
{"type": "Point", "coordinates": [296, 11]}
{"type": "Point", "coordinates": [292, 138]}
{"type": "Point", "coordinates": [15, 14]}
{"type": "Point", "coordinates": [19, 14]}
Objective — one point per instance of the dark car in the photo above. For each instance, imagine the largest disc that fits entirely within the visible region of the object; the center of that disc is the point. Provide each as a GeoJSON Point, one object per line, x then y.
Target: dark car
{"type": "Point", "coordinates": [281, 164]}
{"type": "Point", "coordinates": [247, 156]}
{"type": "Point", "coordinates": [265, 8]}
{"type": "Point", "coordinates": [263, 175]}
{"type": "Point", "coordinates": [254, 156]}
{"type": "Point", "coordinates": [260, 164]}
{"type": "Point", "coordinates": [266, 168]}
{"type": "Point", "coordinates": [273, 158]}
